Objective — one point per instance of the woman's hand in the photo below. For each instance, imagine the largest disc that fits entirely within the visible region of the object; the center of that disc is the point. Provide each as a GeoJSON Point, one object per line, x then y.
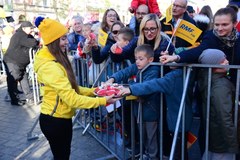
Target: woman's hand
{"type": "Point", "coordinates": [112, 99]}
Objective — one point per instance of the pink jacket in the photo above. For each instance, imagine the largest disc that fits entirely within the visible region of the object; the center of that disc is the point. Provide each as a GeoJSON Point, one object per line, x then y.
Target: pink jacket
{"type": "Point", "coordinates": [152, 5]}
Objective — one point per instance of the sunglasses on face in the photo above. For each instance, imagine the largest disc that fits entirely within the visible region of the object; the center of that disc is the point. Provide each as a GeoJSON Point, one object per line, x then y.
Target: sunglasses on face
{"type": "Point", "coordinates": [115, 32]}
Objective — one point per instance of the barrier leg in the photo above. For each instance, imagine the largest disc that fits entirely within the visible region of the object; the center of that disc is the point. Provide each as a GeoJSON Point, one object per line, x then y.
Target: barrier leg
{"type": "Point", "coordinates": [3, 67]}
{"type": "Point", "coordinates": [76, 120]}
{"type": "Point", "coordinates": [36, 136]}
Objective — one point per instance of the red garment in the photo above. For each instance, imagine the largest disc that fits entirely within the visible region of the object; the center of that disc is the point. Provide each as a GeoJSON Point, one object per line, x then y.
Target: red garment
{"type": "Point", "coordinates": [152, 5]}
{"type": "Point", "coordinates": [238, 26]}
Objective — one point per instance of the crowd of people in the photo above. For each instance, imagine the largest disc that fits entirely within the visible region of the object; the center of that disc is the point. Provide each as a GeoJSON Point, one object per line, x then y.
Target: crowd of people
{"type": "Point", "coordinates": [149, 37]}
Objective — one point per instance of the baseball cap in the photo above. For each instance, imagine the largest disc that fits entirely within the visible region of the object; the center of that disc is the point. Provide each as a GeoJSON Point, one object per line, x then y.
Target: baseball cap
{"type": "Point", "coordinates": [27, 24]}
{"type": "Point", "coordinates": [190, 9]}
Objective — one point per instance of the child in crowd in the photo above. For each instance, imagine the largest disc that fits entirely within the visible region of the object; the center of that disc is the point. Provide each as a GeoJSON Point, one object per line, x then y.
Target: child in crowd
{"type": "Point", "coordinates": [172, 87]}
{"type": "Point", "coordinates": [84, 45]}
{"type": "Point", "coordinates": [125, 35]}
{"type": "Point", "coordinates": [152, 6]}
{"type": "Point", "coordinates": [89, 36]}
{"type": "Point", "coordinates": [223, 143]}
{"type": "Point", "coordinates": [84, 49]}
{"type": "Point", "coordinates": [144, 55]}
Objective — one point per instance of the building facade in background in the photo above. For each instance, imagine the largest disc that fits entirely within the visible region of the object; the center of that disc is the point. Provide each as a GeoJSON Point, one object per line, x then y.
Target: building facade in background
{"type": "Point", "coordinates": [91, 10]}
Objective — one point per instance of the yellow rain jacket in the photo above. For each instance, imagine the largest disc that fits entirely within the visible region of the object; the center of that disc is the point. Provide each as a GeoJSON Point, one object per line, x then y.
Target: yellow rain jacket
{"type": "Point", "coordinates": [57, 91]}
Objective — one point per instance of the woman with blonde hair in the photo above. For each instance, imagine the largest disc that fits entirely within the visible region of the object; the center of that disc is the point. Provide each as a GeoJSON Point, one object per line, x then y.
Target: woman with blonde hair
{"type": "Point", "coordinates": [152, 33]}
{"type": "Point", "coordinates": [149, 33]}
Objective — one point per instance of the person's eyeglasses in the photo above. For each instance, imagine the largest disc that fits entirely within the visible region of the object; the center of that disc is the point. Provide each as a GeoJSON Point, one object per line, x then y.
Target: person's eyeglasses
{"type": "Point", "coordinates": [146, 30]}
{"type": "Point", "coordinates": [178, 6]}
{"type": "Point", "coordinates": [115, 32]}
{"type": "Point", "coordinates": [141, 13]}
{"type": "Point", "coordinates": [111, 15]}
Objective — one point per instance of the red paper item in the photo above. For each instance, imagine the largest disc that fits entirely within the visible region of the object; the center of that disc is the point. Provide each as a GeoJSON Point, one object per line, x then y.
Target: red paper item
{"type": "Point", "coordinates": [80, 52]}
{"type": "Point", "coordinates": [118, 50]}
{"type": "Point", "coordinates": [107, 91]}
{"type": "Point", "coordinates": [191, 139]}
{"type": "Point", "coordinates": [92, 36]}
{"type": "Point", "coordinates": [110, 92]}
{"type": "Point", "coordinates": [238, 26]}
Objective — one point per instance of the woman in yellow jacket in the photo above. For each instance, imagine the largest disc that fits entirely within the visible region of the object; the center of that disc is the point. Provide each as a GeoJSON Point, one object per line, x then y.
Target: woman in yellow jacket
{"type": "Point", "coordinates": [61, 94]}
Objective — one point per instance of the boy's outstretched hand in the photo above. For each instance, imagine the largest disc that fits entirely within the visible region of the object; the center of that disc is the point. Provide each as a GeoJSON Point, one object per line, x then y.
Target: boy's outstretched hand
{"type": "Point", "coordinates": [107, 83]}
{"type": "Point", "coordinates": [124, 92]}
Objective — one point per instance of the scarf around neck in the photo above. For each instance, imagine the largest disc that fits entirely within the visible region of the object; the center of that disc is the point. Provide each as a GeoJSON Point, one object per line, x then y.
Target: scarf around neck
{"type": "Point", "coordinates": [228, 40]}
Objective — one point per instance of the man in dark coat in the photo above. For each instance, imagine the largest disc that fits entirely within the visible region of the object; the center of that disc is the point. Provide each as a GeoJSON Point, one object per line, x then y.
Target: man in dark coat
{"type": "Point", "coordinates": [16, 60]}
{"type": "Point", "coordinates": [135, 21]}
{"type": "Point", "coordinates": [179, 11]}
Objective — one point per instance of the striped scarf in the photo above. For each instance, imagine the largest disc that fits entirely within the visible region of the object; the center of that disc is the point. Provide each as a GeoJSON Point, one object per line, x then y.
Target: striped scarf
{"type": "Point", "coordinates": [228, 40]}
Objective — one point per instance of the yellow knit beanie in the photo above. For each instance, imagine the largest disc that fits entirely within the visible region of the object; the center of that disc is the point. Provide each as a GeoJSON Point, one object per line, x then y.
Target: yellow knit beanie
{"type": "Point", "coordinates": [50, 30]}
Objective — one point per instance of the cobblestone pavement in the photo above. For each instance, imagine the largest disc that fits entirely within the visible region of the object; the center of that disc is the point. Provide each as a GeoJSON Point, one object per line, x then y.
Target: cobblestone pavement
{"type": "Point", "coordinates": [16, 122]}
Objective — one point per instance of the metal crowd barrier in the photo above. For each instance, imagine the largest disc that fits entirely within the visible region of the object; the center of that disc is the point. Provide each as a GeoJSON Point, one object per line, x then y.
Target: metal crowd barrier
{"type": "Point", "coordinates": [109, 128]}
{"type": "Point", "coordinates": [2, 69]}
{"type": "Point", "coordinates": [113, 139]}
{"type": "Point", "coordinates": [181, 114]}
{"type": "Point", "coordinates": [33, 78]}
{"type": "Point", "coordinates": [36, 93]}
{"type": "Point", "coordinates": [98, 122]}
{"type": "Point", "coordinates": [81, 69]}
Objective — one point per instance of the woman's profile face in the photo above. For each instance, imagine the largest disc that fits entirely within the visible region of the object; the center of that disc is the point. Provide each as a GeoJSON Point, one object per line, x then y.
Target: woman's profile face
{"type": "Point", "coordinates": [223, 25]}
{"type": "Point", "coordinates": [115, 30]}
{"type": "Point", "coordinates": [150, 30]}
{"type": "Point", "coordinates": [63, 43]}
